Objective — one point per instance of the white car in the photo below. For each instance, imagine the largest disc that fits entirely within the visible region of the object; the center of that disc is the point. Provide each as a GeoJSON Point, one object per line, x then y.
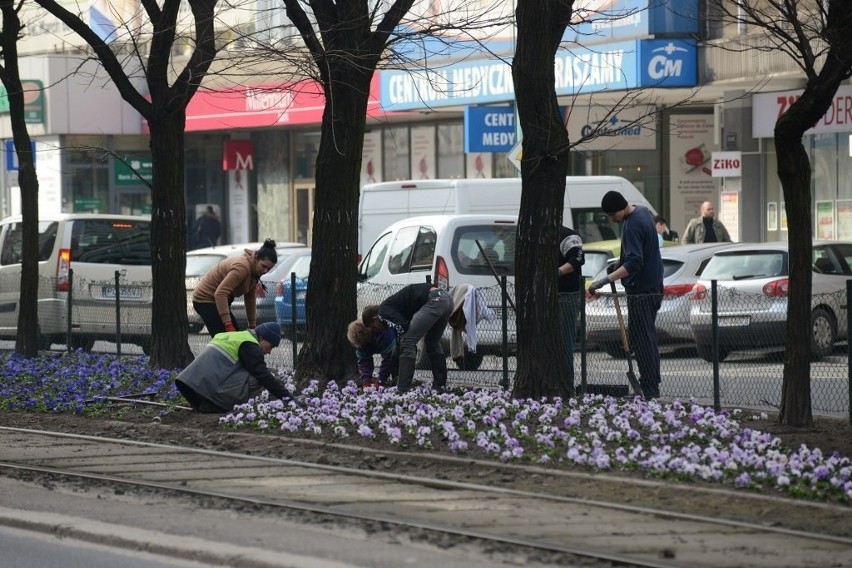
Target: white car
{"type": "Point", "coordinates": [444, 249]}
{"type": "Point", "coordinates": [752, 283]}
{"type": "Point", "coordinates": [79, 257]}
{"type": "Point", "coordinates": [682, 266]}
{"type": "Point", "coordinates": [200, 261]}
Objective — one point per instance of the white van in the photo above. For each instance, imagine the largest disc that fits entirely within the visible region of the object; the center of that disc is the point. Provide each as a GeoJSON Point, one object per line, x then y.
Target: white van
{"type": "Point", "coordinates": [446, 249]}
{"type": "Point", "coordinates": [384, 203]}
{"type": "Point", "coordinates": [94, 247]}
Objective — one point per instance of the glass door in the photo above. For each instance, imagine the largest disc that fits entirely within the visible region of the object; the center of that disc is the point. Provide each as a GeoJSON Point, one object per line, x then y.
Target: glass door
{"type": "Point", "coordinates": [133, 202]}
{"type": "Point", "coordinates": [304, 210]}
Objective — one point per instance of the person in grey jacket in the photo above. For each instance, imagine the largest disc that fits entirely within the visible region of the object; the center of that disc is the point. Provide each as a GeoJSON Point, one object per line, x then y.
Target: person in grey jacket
{"type": "Point", "coordinates": [706, 228]}
{"type": "Point", "coordinates": [231, 369]}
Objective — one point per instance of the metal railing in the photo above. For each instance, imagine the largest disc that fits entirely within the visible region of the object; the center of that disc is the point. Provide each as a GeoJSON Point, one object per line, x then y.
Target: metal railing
{"type": "Point", "coordinates": [723, 348]}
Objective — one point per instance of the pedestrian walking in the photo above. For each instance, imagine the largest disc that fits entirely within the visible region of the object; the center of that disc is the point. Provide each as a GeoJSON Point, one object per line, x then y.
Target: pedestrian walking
{"type": "Point", "coordinates": [418, 311]}
{"type": "Point", "coordinates": [569, 286]}
{"type": "Point", "coordinates": [231, 369]}
{"type": "Point", "coordinates": [706, 228]}
{"type": "Point", "coordinates": [207, 229]}
{"type": "Point", "coordinates": [231, 278]}
{"type": "Point", "coordinates": [663, 229]}
{"type": "Point", "coordinates": [640, 270]}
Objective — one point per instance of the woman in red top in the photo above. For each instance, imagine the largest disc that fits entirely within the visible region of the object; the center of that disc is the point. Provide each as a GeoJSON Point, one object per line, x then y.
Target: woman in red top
{"type": "Point", "coordinates": [232, 277]}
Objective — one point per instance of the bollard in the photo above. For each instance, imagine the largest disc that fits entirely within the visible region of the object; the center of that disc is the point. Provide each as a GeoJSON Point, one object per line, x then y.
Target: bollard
{"type": "Point", "coordinates": [583, 367]}
{"type": "Point", "coordinates": [849, 346]}
{"type": "Point", "coordinates": [293, 316]}
{"type": "Point", "coordinates": [69, 305]}
{"type": "Point", "coordinates": [118, 312]}
{"type": "Point", "coordinates": [714, 314]}
{"type": "Point", "coordinates": [504, 382]}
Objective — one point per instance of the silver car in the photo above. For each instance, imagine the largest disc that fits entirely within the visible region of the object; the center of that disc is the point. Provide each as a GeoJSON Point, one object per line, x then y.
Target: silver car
{"type": "Point", "coordinates": [200, 261]}
{"type": "Point", "coordinates": [752, 283]}
{"type": "Point", "coordinates": [682, 266]}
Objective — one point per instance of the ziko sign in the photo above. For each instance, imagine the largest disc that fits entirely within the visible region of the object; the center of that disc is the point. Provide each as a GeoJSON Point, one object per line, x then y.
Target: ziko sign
{"type": "Point", "coordinates": [727, 164]}
{"type": "Point", "coordinates": [768, 107]}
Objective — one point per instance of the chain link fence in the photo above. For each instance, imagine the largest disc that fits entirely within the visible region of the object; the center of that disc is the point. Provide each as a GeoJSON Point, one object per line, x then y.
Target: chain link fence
{"type": "Point", "coordinates": [744, 329]}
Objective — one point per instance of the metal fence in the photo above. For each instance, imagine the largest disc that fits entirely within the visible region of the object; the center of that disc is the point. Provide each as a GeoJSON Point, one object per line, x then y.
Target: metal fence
{"type": "Point", "coordinates": [745, 330]}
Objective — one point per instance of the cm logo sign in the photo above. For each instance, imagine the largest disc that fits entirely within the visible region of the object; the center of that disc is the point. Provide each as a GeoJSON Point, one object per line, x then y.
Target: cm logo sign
{"type": "Point", "coordinates": [666, 62]}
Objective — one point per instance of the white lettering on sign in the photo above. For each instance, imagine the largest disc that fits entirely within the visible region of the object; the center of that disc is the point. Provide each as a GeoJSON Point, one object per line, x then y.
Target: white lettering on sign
{"type": "Point", "coordinates": [499, 119]}
{"type": "Point", "coordinates": [498, 138]}
{"type": "Point", "coordinates": [589, 69]}
{"type": "Point", "coordinates": [483, 80]}
{"type": "Point", "coordinates": [266, 99]}
{"type": "Point", "coordinates": [663, 65]}
{"type": "Point", "coordinates": [727, 164]}
{"type": "Point", "coordinates": [406, 88]}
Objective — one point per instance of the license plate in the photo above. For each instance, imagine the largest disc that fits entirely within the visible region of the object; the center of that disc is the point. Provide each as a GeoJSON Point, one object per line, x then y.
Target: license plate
{"type": "Point", "coordinates": [733, 321]}
{"type": "Point", "coordinates": [126, 293]}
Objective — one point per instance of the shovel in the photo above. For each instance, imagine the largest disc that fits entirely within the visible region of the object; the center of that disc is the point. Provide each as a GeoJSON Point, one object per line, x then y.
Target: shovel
{"type": "Point", "coordinates": [631, 376]}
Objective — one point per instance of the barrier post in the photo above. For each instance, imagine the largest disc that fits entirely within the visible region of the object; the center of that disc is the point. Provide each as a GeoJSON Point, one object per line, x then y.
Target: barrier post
{"type": "Point", "coordinates": [714, 313]}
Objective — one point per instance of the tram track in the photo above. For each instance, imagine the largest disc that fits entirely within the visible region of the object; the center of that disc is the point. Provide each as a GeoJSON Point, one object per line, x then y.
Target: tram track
{"type": "Point", "coordinates": [617, 534]}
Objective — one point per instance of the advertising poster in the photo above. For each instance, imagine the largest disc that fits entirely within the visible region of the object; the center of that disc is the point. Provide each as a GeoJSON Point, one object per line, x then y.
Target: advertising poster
{"type": "Point", "coordinates": [691, 177]}
{"type": "Point", "coordinates": [423, 152]}
{"type": "Point", "coordinates": [729, 213]}
{"type": "Point", "coordinates": [825, 220]}
{"type": "Point", "coordinates": [783, 216]}
{"type": "Point", "coordinates": [772, 216]}
{"type": "Point", "coordinates": [844, 219]}
{"type": "Point", "coordinates": [371, 158]}
{"type": "Point", "coordinates": [479, 165]}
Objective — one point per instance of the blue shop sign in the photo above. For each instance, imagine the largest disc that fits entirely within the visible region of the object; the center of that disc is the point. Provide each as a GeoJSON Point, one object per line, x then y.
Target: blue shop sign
{"type": "Point", "coordinates": [614, 66]}
{"type": "Point", "coordinates": [668, 63]}
{"type": "Point", "coordinates": [12, 156]}
{"type": "Point", "coordinates": [489, 129]}
{"type": "Point", "coordinates": [605, 20]}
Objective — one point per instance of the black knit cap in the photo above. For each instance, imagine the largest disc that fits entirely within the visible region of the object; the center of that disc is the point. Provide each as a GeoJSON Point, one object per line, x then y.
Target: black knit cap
{"type": "Point", "coordinates": [613, 202]}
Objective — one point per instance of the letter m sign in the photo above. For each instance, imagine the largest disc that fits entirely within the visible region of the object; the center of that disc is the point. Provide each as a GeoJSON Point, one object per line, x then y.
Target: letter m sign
{"type": "Point", "coordinates": [237, 155]}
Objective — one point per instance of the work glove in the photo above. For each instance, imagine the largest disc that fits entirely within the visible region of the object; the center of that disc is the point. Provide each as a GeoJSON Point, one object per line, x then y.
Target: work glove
{"type": "Point", "coordinates": [598, 284]}
{"type": "Point", "coordinates": [229, 326]}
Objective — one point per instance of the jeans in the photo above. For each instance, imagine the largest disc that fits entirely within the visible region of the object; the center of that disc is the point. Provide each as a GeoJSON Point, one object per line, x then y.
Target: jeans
{"type": "Point", "coordinates": [642, 330]}
{"type": "Point", "coordinates": [428, 323]}
{"type": "Point", "coordinates": [569, 309]}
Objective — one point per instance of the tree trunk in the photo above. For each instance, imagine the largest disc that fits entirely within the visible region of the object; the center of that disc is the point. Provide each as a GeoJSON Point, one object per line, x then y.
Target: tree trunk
{"type": "Point", "coordinates": [326, 355]}
{"type": "Point", "coordinates": [169, 323]}
{"type": "Point", "coordinates": [26, 340]}
{"type": "Point", "coordinates": [794, 172]}
{"type": "Point", "coordinates": [542, 361]}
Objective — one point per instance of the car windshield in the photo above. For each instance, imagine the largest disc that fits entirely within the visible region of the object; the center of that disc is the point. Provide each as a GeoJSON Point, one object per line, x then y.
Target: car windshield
{"type": "Point", "coordinates": [595, 262]}
{"type": "Point", "coordinates": [745, 265]}
{"type": "Point", "coordinates": [497, 242]}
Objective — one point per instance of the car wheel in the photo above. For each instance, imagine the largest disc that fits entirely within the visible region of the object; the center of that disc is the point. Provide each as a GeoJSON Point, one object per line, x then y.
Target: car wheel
{"type": "Point", "coordinates": [705, 351]}
{"type": "Point", "coordinates": [823, 334]}
{"type": "Point", "coordinates": [470, 361]}
{"type": "Point", "coordinates": [43, 342]}
{"type": "Point", "coordinates": [614, 350]}
{"type": "Point", "coordinates": [82, 342]}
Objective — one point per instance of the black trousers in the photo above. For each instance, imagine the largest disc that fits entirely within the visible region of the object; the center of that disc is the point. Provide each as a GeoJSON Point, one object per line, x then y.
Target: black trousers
{"type": "Point", "coordinates": [210, 315]}
{"type": "Point", "coordinates": [642, 330]}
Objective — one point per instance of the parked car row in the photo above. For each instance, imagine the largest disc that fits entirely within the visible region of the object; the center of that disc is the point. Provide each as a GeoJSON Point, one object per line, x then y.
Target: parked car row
{"type": "Point", "coordinates": [752, 283]}
{"type": "Point", "coordinates": [291, 257]}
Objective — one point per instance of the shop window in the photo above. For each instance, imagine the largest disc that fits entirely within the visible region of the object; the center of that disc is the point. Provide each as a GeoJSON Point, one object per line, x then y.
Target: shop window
{"type": "Point", "coordinates": [396, 154]}
{"type": "Point", "coordinates": [450, 150]}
